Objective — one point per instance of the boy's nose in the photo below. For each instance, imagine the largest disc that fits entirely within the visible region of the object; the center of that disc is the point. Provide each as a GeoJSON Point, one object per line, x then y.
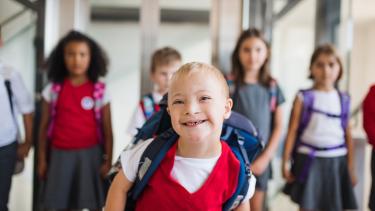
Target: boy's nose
{"type": "Point", "coordinates": [191, 108]}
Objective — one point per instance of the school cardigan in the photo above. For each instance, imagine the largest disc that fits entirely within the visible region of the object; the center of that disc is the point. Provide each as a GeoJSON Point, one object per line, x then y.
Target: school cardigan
{"type": "Point", "coordinates": [165, 193]}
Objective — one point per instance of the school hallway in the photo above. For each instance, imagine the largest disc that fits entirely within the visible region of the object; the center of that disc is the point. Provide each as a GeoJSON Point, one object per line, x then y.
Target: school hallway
{"type": "Point", "coordinates": [129, 31]}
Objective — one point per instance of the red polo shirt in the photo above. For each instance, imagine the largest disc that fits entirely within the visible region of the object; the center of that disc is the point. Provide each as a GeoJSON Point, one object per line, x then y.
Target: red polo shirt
{"type": "Point", "coordinates": [75, 125]}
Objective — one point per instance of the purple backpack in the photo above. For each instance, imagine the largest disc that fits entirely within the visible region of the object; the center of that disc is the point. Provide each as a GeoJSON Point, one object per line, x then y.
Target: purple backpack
{"type": "Point", "coordinates": [307, 110]}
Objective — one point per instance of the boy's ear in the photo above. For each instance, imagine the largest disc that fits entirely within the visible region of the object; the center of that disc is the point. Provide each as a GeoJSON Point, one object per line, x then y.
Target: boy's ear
{"type": "Point", "coordinates": [228, 108]}
{"type": "Point", "coordinates": [168, 111]}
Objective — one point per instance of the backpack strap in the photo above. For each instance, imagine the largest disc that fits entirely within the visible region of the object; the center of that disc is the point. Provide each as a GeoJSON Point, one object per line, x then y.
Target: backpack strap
{"type": "Point", "coordinates": [273, 95]}
{"type": "Point", "coordinates": [8, 87]}
{"type": "Point", "coordinates": [151, 159]}
{"type": "Point", "coordinates": [345, 109]}
{"type": "Point", "coordinates": [244, 175]}
{"type": "Point", "coordinates": [54, 94]}
{"type": "Point", "coordinates": [149, 106]}
{"type": "Point", "coordinates": [99, 89]}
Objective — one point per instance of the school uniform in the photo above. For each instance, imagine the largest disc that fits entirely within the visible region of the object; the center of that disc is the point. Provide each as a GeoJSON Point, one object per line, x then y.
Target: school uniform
{"type": "Point", "coordinates": [369, 126]}
{"type": "Point", "coordinates": [73, 177]}
{"type": "Point", "coordinates": [327, 183]}
{"type": "Point", "coordinates": [182, 183]}
{"type": "Point", "coordinates": [22, 103]}
{"type": "Point", "coordinates": [253, 101]}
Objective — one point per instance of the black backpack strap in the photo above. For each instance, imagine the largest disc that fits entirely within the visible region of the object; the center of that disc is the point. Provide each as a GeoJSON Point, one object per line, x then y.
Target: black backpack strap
{"type": "Point", "coordinates": [151, 159]}
{"type": "Point", "coordinates": [10, 94]}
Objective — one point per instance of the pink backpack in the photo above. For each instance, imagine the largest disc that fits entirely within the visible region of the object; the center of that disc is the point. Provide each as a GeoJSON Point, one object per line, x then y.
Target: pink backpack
{"type": "Point", "coordinates": [99, 88]}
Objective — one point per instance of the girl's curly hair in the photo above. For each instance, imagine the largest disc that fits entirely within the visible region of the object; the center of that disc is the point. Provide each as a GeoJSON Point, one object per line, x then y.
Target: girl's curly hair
{"type": "Point", "coordinates": [56, 67]}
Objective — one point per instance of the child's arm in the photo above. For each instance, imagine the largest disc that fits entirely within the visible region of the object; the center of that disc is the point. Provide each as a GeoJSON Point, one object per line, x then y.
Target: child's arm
{"type": "Point", "coordinates": [23, 149]}
{"type": "Point", "coordinates": [263, 160]}
{"type": "Point", "coordinates": [291, 137]}
{"type": "Point", "coordinates": [42, 155]}
{"type": "Point", "coordinates": [116, 198]}
{"type": "Point", "coordinates": [349, 145]}
{"type": "Point", "coordinates": [244, 206]}
{"type": "Point", "coordinates": [108, 140]}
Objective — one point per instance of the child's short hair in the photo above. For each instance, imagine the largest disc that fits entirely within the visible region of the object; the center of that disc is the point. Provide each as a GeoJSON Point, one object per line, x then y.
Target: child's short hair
{"type": "Point", "coordinates": [327, 49]}
{"type": "Point", "coordinates": [164, 56]}
{"type": "Point", "coordinates": [57, 71]}
{"type": "Point", "coordinates": [194, 67]}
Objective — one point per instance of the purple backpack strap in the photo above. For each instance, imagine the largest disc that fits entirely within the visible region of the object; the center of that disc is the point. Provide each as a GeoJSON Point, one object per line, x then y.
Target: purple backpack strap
{"type": "Point", "coordinates": [308, 103]}
{"type": "Point", "coordinates": [99, 88]}
{"type": "Point", "coordinates": [345, 109]}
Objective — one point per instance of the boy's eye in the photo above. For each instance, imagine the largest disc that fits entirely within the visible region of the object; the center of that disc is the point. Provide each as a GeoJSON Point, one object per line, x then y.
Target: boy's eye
{"type": "Point", "coordinates": [205, 98]}
{"type": "Point", "coordinates": [177, 102]}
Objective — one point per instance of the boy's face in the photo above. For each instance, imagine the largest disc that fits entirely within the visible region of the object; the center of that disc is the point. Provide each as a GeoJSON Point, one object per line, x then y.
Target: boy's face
{"type": "Point", "coordinates": [198, 107]}
{"type": "Point", "coordinates": [162, 74]}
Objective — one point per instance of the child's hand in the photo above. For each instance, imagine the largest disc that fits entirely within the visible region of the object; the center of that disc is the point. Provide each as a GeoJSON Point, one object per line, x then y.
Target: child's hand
{"type": "Point", "coordinates": [23, 150]}
{"type": "Point", "coordinates": [42, 170]}
{"type": "Point", "coordinates": [104, 169]}
{"type": "Point", "coordinates": [353, 178]}
{"type": "Point", "coordinates": [287, 174]}
{"type": "Point", "coordinates": [259, 165]}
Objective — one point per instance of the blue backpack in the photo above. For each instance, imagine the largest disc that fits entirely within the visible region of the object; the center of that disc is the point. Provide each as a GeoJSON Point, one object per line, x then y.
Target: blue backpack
{"type": "Point", "coordinates": [238, 132]}
{"type": "Point", "coordinates": [307, 110]}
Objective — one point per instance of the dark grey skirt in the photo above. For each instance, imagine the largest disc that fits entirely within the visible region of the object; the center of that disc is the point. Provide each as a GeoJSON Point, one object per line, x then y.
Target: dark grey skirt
{"type": "Point", "coordinates": [73, 179]}
{"type": "Point", "coordinates": [326, 187]}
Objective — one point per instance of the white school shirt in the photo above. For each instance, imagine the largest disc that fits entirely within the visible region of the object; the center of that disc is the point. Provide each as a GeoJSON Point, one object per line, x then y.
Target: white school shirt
{"type": "Point", "coordinates": [191, 173]}
{"type": "Point", "coordinates": [22, 101]}
{"type": "Point", "coordinates": [138, 118]}
{"type": "Point", "coordinates": [324, 131]}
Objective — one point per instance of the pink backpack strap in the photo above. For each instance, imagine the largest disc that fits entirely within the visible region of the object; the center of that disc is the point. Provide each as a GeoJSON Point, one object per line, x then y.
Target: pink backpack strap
{"type": "Point", "coordinates": [99, 88]}
{"type": "Point", "coordinates": [273, 95]}
{"type": "Point", "coordinates": [55, 91]}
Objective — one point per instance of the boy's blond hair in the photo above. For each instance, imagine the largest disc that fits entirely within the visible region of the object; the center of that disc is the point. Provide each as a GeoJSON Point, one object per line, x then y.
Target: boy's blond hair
{"type": "Point", "coordinates": [164, 56]}
{"type": "Point", "coordinates": [194, 67]}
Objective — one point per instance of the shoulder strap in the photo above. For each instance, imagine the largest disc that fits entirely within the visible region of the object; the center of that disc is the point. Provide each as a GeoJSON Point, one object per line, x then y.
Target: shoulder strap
{"type": "Point", "coordinates": [243, 176]}
{"type": "Point", "coordinates": [54, 94]}
{"type": "Point", "coordinates": [273, 95]}
{"type": "Point", "coordinates": [307, 105]}
{"type": "Point", "coordinates": [99, 89]}
{"type": "Point", "coordinates": [148, 105]}
{"type": "Point", "coordinates": [10, 94]}
{"type": "Point", "coordinates": [151, 159]}
{"type": "Point", "coordinates": [8, 87]}
{"type": "Point", "coordinates": [345, 109]}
